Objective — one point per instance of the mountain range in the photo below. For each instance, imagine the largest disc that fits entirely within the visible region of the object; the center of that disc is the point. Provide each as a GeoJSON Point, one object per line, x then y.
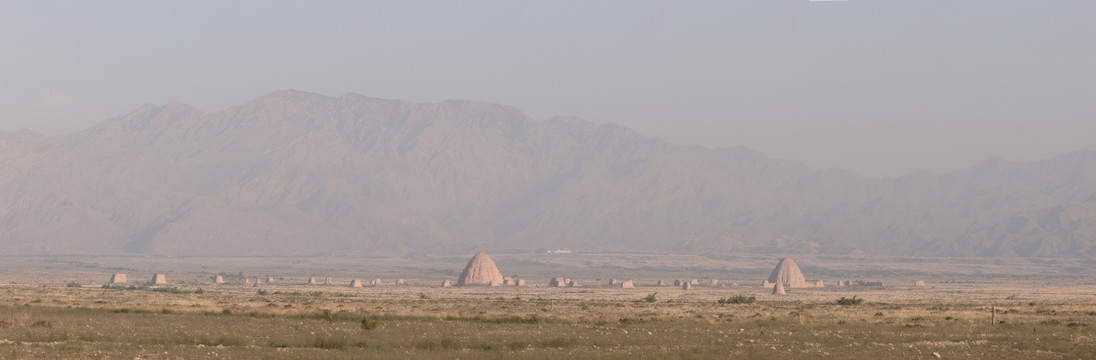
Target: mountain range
{"type": "Point", "coordinates": [297, 173]}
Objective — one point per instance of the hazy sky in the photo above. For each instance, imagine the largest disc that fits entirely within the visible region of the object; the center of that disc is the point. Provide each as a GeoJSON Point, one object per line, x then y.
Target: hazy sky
{"type": "Point", "coordinates": [878, 87]}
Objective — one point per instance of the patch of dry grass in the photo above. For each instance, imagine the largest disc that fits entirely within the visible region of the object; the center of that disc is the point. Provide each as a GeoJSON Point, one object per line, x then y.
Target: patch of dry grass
{"type": "Point", "coordinates": [1040, 317]}
{"type": "Point", "coordinates": [467, 324]}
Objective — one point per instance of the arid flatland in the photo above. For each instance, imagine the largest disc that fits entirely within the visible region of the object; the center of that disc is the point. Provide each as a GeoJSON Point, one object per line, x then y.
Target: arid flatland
{"type": "Point", "coordinates": [193, 318]}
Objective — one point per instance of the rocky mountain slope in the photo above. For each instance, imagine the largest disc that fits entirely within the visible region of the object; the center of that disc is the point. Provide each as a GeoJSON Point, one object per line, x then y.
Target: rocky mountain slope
{"type": "Point", "coordinates": [296, 173]}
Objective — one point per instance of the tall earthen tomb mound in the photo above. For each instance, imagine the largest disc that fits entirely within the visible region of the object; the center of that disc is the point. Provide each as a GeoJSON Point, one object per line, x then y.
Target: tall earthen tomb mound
{"type": "Point", "coordinates": [788, 273]}
{"type": "Point", "coordinates": [481, 270]}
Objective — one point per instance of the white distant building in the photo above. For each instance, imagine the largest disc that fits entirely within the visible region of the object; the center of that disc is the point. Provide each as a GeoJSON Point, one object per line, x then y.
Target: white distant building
{"type": "Point", "coordinates": [559, 251]}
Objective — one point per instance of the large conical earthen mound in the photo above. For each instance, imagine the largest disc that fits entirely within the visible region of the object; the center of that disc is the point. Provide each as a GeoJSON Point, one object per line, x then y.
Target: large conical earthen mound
{"type": "Point", "coordinates": [788, 273]}
{"type": "Point", "coordinates": [481, 270]}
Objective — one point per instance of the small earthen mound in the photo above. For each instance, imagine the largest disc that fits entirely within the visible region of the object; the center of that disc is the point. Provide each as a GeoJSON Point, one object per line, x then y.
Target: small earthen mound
{"type": "Point", "coordinates": [401, 282]}
{"type": "Point", "coordinates": [778, 289]}
{"type": "Point", "coordinates": [311, 281]}
{"type": "Point", "coordinates": [626, 284]}
{"type": "Point", "coordinates": [445, 283]}
{"type": "Point", "coordinates": [919, 283]}
{"type": "Point", "coordinates": [557, 282]}
{"type": "Point", "coordinates": [158, 279]}
{"type": "Point", "coordinates": [355, 283]}
{"type": "Point", "coordinates": [519, 282]}
{"type": "Point", "coordinates": [219, 280]}
{"type": "Point", "coordinates": [118, 279]}
{"type": "Point", "coordinates": [686, 285]}
{"type": "Point", "coordinates": [661, 282]}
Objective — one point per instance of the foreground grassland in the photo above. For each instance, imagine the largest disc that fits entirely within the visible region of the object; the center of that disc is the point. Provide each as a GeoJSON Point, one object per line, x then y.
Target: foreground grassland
{"type": "Point", "coordinates": [493, 323]}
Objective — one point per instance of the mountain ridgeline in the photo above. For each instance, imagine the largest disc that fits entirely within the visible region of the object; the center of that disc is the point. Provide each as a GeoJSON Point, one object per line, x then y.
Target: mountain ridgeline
{"type": "Point", "coordinates": [296, 173]}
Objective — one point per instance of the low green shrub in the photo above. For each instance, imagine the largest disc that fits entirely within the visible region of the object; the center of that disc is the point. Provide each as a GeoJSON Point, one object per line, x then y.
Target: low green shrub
{"type": "Point", "coordinates": [368, 324]}
{"type": "Point", "coordinates": [849, 301]}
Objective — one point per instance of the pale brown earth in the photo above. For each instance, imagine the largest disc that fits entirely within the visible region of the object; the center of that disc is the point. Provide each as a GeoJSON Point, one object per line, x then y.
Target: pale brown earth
{"type": "Point", "coordinates": [1042, 309]}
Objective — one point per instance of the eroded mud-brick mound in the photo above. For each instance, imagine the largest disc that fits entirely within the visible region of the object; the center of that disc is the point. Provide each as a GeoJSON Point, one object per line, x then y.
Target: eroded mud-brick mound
{"type": "Point", "coordinates": [481, 270]}
{"type": "Point", "coordinates": [788, 273]}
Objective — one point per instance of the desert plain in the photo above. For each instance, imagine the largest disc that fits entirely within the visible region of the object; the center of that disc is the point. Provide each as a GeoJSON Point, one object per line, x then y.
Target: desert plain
{"type": "Point", "coordinates": [58, 307]}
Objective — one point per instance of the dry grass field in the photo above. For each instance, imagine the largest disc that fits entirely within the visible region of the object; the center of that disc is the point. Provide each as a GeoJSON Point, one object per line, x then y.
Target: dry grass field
{"type": "Point", "coordinates": [58, 308]}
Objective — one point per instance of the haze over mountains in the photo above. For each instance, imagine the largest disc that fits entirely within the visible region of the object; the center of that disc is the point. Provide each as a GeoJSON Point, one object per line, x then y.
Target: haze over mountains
{"type": "Point", "coordinates": [295, 173]}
